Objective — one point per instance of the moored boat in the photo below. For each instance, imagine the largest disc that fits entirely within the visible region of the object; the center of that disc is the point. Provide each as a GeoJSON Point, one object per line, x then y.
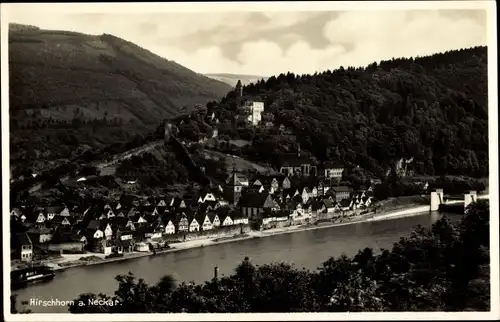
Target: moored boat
{"type": "Point", "coordinates": [22, 277]}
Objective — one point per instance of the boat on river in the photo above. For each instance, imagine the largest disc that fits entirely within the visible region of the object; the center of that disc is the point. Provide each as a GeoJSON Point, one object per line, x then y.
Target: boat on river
{"type": "Point", "coordinates": [22, 277]}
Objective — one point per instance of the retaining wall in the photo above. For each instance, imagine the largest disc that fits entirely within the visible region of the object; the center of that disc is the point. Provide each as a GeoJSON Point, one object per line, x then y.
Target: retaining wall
{"type": "Point", "coordinates": [214, 233]}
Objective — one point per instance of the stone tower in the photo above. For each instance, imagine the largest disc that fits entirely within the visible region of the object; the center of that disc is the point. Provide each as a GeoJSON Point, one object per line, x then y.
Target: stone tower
{"type": "Point", "coordinates": [234, 185]}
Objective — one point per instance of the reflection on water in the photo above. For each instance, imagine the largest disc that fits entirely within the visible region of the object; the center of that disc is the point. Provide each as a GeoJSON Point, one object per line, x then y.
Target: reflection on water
{"type": "Point", "coordinates": [305, 249]}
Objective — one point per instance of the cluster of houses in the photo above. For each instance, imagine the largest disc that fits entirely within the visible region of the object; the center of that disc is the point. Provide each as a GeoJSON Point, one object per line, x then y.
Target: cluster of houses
{"type": "Point", "coordinates": [133, 224]}
{"type": "Point", "coordinates": [116, 226]}
{"type": "Point", "coordinates": [268, 199]}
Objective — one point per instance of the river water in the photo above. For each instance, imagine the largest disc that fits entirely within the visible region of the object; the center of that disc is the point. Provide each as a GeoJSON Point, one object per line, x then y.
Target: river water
{"type": "Point", "coordinates": [304, 249]}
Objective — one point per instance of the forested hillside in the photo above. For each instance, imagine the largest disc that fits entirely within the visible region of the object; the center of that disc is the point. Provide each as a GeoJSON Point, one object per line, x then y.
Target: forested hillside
{"type": "Point", "coordinates": [434, 109]}
{"type": "Point", "coordinates": [79, 91]}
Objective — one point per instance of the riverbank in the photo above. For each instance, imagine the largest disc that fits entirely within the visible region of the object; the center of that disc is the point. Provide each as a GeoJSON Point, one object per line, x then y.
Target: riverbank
{"type": "Point", "coordinates": [70, 261]}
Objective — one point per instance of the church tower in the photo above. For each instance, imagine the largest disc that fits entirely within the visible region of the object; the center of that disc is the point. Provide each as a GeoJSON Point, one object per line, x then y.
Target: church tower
{"type": "Point", "coordinates": [234, 185]}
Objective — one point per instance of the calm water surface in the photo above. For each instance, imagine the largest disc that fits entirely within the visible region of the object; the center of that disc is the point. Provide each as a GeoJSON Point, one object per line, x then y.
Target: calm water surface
{"type": "Point", "coordinates": [304, 249]}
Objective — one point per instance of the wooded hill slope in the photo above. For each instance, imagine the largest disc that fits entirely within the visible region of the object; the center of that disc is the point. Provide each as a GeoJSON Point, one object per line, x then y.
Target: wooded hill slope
{"type": "Point", "coordinates": [73, 80]}
{"type": "Point", "coordinates": [433, 109]}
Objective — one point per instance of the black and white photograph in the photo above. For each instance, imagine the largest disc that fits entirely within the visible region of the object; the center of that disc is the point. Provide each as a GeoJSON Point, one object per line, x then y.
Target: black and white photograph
{"type": "Point", "coordinates": [332, 160]}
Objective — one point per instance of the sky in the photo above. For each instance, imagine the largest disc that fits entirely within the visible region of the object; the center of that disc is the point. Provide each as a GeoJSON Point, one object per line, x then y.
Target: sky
{"type": "Point", "coordinates": [268, 42]}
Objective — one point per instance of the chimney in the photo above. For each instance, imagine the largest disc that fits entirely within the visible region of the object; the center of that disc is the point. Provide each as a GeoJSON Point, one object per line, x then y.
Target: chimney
{"type": "Point", "coordinates": [216, 272]}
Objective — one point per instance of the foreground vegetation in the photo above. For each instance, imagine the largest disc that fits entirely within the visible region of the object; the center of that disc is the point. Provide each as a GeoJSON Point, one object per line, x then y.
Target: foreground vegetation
{"type": "Point", "coordinates": [443, 268]}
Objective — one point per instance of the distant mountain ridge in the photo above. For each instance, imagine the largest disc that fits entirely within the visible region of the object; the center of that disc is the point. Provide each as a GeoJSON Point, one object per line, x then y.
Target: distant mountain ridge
{"type": "Point", "coordinates": [59, 72]}
{"type": "Point", "coordinates": [232, 79]}
{"type": "Point", "coordinates": [82, 91]}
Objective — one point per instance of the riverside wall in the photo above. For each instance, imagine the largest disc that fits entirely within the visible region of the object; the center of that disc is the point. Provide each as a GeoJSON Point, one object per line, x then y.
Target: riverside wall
{"type": "Point", "coordinates": [214, 233]}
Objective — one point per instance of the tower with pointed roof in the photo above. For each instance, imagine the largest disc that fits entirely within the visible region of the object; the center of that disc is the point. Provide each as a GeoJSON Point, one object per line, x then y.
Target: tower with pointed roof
{"type": "Point", "coordinates": [234, 185]}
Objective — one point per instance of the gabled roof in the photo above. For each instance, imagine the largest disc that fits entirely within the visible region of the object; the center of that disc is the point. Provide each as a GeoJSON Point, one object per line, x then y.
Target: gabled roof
{"type": "Point", "coordinates": [39, 230]}
{"type": "Point", "coordinates": [332, 165]}
{"type": "Point", "coordinates": [253, 199]}
{"type": "Point", "coordinates": [135, 218]}
{"type": "Point", "coordinates": [328, 203]}
{"type": "Point", "coordinates": [20, 239]}
{"type": "Point", "coordinates": [16, 211]}
{"type": "Point", "coordinates": [291, 204]}
{"type": "Point", "coordinates": [32, 215]}
{"type": "Point", "coordinates": [282, 213]}
{"type": "Point", "coordinates": [291, 192]}
{"type": "Point", "coordinates": [54, 209]}
{"type": "Point", "coordinates": [235, 179]}
{"type": "Point", "coordinates": [64, 235]}
{"type": "Point", "coordinates": [211, 216]}
{"type": "Point", "coordinates": [293, 160]}
{"type": "Point", "coordinates": [200, 218]}
{"type": "Point", "coordinates": [143, 230]}
{"type": "Point", "coordinates": [118, 222]}
{"type": "Point", "coordinates": [342, 189]}
{"type": "Point", "coordinates": [97, 224]}
{"type": "Point", "coordinates": [298, 198]}
{"type": "Point", "coordinates": [316, 205]}
{"type": "Point", "coordinates": [57, 219]}
{"type": "Point", "coordinates": [147, 209]}
{"type": "Point", "coordinates": [265, 179]}
{"type": "Point", "coordinates": [345, 203]}
{"type": "Point", "coordinates": [177, 202]}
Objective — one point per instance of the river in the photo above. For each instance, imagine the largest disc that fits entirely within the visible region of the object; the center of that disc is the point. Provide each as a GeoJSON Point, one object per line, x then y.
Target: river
{"type": "Point", "coordinates": [305, 249]}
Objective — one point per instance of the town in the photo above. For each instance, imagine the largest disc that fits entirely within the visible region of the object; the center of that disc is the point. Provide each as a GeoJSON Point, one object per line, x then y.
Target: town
{"type": "Point", "coordinates": [131, 224]}
{"type": "Point", "coordinates": [300, 193]}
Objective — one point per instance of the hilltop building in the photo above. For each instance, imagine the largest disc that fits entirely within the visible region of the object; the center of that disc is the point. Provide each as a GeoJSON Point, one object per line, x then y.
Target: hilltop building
{"type": "Point", "coordinates": [255, 112]}
{"type": "Point", "coordinates": [298, 165]}
{"type": "Point", "coordinates": [333, 171]}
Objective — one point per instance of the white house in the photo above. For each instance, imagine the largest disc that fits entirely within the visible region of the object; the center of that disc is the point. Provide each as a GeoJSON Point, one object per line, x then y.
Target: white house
{"type": "Point", "coordinates": [208, 197]}
{"type": "Point", "coordinates": [194, 225]}
{"type": "Point", "coordinates": [141, 220]}
{"type": "Point", "coordinates": [170, 228]}
{"type": "Point", "coordinates": [227, 221]}
{"type": "Point", "coordinates": [108, 231]}
{"type": "Point", "coordinates": [110, 213]}
{"type": "Point", "coordinates": [153, 235]}
{"type": "Point", "coordinates": [207, 224]}
{"type": "Point", "coordinates": [98, 234]}
{"type": "Point", "coordinates": [256, 109]}
{"type": "Point", "coordinates": [215, 220]}
{"type": "Point", "coordinates": [242, 221]}
{"type": "Point", "coordinates": [126, 236]}
{"type": "Point", "coordinates": [40, 218]}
